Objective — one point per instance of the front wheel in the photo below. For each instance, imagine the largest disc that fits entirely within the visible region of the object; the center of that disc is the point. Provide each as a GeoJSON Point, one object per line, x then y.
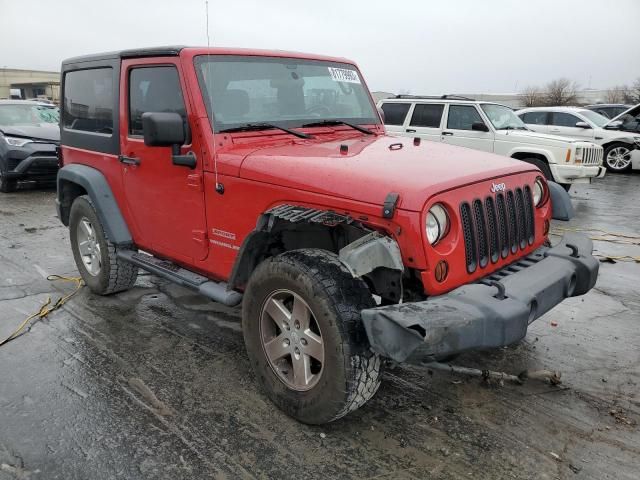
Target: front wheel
{"type": "Point", "coordinates": [7, 185]}
{"type": "Point", "coordinates": [304, 336]}
{"type": "Point", "coordinates": [617, 157]}
{"type": "Point", "coordinates": [542, 165]}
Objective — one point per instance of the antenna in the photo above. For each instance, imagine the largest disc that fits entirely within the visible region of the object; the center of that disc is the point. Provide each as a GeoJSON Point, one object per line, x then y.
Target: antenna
{"type": "Point", "coordinates": [219, 186]}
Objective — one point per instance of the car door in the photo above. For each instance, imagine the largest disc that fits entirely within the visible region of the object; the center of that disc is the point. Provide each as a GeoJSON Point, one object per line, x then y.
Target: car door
{"type": "Point", "coordinates": [165, 200]}
{"type": "Point", "coordinates": [395, 115]}
{"type": "Point", "coordinates": [459, 128]}
{"type": "Point", "coordinates": [563, 123]}
{"type": "Point", "coordinates": [425, 121]}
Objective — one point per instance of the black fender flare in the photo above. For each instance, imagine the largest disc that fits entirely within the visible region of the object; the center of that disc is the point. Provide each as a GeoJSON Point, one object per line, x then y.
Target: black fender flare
{"type": "Point", "coordinates": [95, 184]}
{"type": "Point", "coordinates": [561, 206]}
{"type": "Point", "coordinates": [258, 244]}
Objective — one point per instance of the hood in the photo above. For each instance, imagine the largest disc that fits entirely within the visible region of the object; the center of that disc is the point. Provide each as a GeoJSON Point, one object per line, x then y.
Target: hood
{"type": "Point", "coordinates": [376, 166]}
{"type": "Point", "coordinates": [41, 131]}
{"type": "Point", "coordinates": [633, 111]}
{"type": "Point", "coordinates": [531, 137]}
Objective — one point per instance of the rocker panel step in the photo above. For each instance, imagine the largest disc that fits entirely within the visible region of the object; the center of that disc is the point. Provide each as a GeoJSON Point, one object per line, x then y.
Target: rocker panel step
{"type": "Point", "coordinates": [216, 291]}
{"type": "Point", "coordinates": [169, 268]}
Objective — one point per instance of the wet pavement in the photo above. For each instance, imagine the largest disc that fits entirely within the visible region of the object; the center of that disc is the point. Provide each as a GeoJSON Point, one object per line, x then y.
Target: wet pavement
{"type": "Point", "coordinates": [154, 383]}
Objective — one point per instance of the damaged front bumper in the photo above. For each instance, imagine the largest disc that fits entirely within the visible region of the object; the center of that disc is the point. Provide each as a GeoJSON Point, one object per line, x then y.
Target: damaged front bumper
{"type": "Point", "coordinates": [491, 313]}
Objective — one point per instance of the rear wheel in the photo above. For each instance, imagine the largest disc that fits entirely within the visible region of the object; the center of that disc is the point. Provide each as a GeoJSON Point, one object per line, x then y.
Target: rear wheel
{"type": "Point", "coordinates": [96, 257]}
{"type": "Point", "coordinates": [304, 337]}
{"type": "Point", "coordinates": [7, 185]}
{"type": "Point", "coordinates": [617, 157]}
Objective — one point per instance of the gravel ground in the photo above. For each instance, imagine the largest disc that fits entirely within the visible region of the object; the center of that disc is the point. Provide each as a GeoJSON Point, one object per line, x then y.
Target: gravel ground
{"type": "Point", "coordinates": [154, 383]}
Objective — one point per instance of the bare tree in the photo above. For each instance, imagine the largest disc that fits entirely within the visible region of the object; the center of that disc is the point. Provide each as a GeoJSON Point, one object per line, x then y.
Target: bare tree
{"type": "Point", "coordinates": [532, 97]}
{"type": "Point", "coordinates": [561, 92]}
{"type": "Point", "coordinates": [634, 92]}
{"type": "Point", "coordinates": [617, 94]}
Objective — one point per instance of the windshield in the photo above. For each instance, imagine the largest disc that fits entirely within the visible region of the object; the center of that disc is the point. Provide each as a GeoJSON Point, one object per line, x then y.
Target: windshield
{"type": "Point", "coordinates": [289, 92]}
{"type": "Point", "coordinates": [502, 117]}
{"type": "Point", "coordinates": [16, 114]}
{"type": "Point", "coordinates": [595, 118]}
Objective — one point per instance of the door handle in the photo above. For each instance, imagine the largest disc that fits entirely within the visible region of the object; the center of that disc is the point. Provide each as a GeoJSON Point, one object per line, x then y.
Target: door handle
{"type": "Point", "coordinates": [129, 160]}
{"type": "Point", "coordinates": [447, 133]}
{"type": "Point", "coordinates": [410, 130]}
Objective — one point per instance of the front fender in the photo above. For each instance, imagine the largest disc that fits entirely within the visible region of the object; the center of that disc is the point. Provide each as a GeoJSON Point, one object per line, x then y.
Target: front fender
{"type": "Point", "coordinates": [94, 183]}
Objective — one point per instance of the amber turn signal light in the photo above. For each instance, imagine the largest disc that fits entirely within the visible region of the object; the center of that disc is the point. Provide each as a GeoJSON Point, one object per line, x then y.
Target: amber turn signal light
{"type": "Point", "coordinates": [442, 269]}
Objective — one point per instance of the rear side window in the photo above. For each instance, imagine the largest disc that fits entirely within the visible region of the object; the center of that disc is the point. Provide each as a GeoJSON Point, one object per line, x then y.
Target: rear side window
{"type": "Point", "coordinates": [535, 118]}
{"type": "Point", "coordinates": [462, 117]}
{"type": "Point", "coordinates": [395, 113]}
{"type": "Point", "coordinates": [427, 115]}
{"type": "Point", "coordinates": [89, 100]}
{"type": "Point", "coordinates": [153, 89]}
{"type": "Point", "coordinates": [561, 119]}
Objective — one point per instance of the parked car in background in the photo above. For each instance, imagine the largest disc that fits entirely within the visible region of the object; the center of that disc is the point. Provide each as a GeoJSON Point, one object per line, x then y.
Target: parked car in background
{"type": "Point", "coordinates": [493, 128]}
{"type": "Point", "coordinates": [620, 152]}
{"type": "Point", "coordinates": [609, 110]}
{"type": "Point", "coordinates": [628, 121]}
{"type": "Point", "coordinates": [29, 134]}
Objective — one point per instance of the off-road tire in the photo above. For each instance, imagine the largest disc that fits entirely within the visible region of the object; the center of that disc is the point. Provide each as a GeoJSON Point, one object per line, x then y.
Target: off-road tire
{"type": "Point", "coordinates": [7, 185]}
{"type": "Point", "coordinates": [351, 372]}
{"type": "Point", "coordinates": [606, 154]}
{"type": "Point", "coordinates": [116, 275]}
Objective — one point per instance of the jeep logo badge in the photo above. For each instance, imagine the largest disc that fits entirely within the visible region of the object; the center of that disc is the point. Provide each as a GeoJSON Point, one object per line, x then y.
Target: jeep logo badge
{"type": "Point", "coordinates": [498, 187]}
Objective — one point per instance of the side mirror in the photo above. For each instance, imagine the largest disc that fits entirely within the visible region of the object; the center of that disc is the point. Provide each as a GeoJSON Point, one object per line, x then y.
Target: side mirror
{"type": "Point", "coordinates": [161, 129]}
{"type": "Point", "coordinates": [381, 113]}
{"type": "Point", "coordinates": [479, 127]}
{"type": "Point", "coordinates": [584, 125]}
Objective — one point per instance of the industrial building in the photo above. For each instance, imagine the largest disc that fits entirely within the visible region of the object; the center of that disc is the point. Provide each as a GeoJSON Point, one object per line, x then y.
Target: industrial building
{"type": "Point", "coordinates": [26, 84]}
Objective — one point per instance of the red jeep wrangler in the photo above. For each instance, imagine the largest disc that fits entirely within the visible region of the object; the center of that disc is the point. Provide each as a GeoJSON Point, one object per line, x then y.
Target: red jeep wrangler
{"type": "Point", "coordinates": [267, 178]}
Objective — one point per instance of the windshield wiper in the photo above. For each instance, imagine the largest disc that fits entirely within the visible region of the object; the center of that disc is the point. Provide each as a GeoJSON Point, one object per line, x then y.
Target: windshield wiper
{"type": "Point", "coordinates": [264, 126]}
{"type": "Point", "coordinates": [339, 122]}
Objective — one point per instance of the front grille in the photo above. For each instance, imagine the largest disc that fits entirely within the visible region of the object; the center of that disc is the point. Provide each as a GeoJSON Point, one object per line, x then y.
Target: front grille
{"type": "Point", "coordinates": [497, 227]}
{"type": "Point", "coordinates": [592, 156]}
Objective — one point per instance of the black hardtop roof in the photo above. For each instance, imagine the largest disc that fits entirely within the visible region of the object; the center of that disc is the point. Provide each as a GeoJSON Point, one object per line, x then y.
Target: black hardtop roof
{"type": "Point", "coordinates": [168, 51]}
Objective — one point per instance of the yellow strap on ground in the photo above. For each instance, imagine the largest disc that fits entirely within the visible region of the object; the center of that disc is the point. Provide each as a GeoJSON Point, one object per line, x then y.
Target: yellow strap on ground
{"type": "Point", "coordinates": [617, 258]}
{"type": "Point", "coordinates": [595, 230]}
{"type": "Point", "coordinates": [47, 307]}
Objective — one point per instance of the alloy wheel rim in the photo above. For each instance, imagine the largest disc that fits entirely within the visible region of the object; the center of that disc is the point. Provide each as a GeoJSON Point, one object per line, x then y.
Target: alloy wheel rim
{"type": "Point", "coordinates": [291, 340]}
{"type": "Point", "coordinates": [619, 158]}
{"type": "Point", "coordinates": [89, 247]}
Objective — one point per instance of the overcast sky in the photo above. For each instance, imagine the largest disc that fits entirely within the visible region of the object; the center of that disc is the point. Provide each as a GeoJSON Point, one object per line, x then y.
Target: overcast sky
{"type": "Point", "coordinates": [445, 46]}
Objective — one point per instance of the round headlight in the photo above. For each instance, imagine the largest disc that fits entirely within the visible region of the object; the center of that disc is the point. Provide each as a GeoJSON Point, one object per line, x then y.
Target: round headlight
{"type": "Point", "coordinates": [437, 224]}
{"type": "Point", "coordinates": [538, 192]}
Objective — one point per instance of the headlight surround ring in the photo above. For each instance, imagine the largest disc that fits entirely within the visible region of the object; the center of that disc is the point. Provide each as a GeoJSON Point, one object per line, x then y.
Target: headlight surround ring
{"type": "Point", "coordinates": [539, 192]}
{"type": "Point", "coordinates": [437, 224]}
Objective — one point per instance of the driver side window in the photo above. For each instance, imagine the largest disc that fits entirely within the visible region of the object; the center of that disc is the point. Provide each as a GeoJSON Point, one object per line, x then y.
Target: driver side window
{"type": "Point", "coordinates": [561, 119]}
{"type": "Point", "coordinates": [462, 117]}
{"type": "Point", "coordinates": [153, 89]}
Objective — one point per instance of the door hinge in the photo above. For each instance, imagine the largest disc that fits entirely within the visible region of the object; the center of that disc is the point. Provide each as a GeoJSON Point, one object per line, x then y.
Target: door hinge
{"type": "Point", "coordinates": [195, 181]}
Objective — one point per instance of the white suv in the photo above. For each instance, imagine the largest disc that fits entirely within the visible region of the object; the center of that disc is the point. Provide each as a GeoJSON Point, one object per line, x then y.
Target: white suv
{"type": "Point", "coordinates": [493, 128]}
{"type": "Point", "coordinates": [584, 124]}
